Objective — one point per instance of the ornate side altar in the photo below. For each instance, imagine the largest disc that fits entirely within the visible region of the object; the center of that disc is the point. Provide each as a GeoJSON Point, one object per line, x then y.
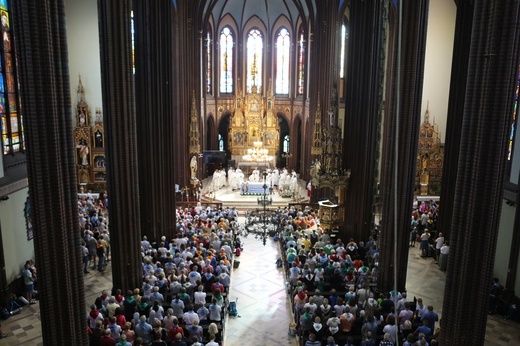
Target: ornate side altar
{"type": "Point", "coordinates": [327, 170]}
{"type": "Point", "coordinates": [89, 142]}
{"type": "Point", "coordinates": [430, 157]}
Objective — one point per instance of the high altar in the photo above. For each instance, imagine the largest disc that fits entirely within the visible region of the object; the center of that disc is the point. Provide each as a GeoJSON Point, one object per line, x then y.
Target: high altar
{"type": "Point", "coordinates": [253, 121]}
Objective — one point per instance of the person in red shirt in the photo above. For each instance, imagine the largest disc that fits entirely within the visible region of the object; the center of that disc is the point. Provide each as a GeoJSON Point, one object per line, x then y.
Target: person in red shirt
{"type": "Point", "coordinates": [106, 339]}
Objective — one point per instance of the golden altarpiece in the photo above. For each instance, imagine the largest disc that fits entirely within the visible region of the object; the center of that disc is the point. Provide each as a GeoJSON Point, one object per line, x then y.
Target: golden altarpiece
{"type": "Point", "coordinates": [89, 142]}
{"type": "Point", "coordinates": [430, 157]}
{"type": "Point", "coordinates": [254, 125]}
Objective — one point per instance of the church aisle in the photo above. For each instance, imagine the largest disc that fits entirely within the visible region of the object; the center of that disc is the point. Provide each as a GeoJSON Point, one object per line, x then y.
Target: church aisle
{"type": "Point", "coordinates": [262, 300]}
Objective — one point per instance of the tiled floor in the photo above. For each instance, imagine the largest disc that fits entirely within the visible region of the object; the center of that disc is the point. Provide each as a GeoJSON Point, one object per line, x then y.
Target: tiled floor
{"type": "Point", "coordinates": [262, 304]}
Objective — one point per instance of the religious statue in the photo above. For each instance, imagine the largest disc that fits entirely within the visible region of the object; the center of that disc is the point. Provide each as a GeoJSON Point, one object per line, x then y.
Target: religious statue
{"type": "Point", "coordinates": [193, 167]}
{"type": "Point", "coordinates": [83, 152]}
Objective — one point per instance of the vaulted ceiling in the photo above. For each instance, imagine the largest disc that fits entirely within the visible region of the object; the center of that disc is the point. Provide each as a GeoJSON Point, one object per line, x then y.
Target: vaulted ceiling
{"type": "Point", "coordinates": [268, 11]}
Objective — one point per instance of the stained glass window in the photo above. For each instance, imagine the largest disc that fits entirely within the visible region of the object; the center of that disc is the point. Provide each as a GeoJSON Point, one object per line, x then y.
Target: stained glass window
{"type": "Point", "coordinates": [513, 120]}
{"type": "Point", "coordinates": [208, 62]}
{"type": "Point", "coordinates": [12, 125]}
{"type": "Point", "coordinates": [283, 45]}
{"type": "Point", "coordinates": [255, 46]}
{"type": "Point", "coordinates": [286, 143]}
{"type": "Point", "coordinates": [301, 62]}
{"type": "Point", "coordinates": [220, 142]}
{"type": "Point", "coordinates": [226, 60]}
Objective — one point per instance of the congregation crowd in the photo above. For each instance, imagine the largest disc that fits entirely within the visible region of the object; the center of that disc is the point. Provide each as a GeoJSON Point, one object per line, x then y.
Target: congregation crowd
{"type": "Point", "coordinates": [333, 288]}
{"type": "Point", "coordinates": [182, 299]}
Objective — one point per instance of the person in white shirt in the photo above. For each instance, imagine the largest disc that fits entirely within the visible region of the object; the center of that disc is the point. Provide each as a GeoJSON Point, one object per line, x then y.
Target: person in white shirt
{"type": "Point", "coordinates": [438, 244]}
{"type": "Point", "coordinates": [199, 296]}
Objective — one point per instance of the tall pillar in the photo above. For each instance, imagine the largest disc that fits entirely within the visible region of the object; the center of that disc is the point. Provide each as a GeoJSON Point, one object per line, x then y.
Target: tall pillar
{"type": "Point", "coordinates": [41, 47]}
{"type": "Point", "coordinates": [488, 108]}
{"type": "Point", "coordinates": [324, 72]}
{"type": "Point", "coordinates": [119, 119]}
{"type": "Point", "coordinates": [363, 107]}
{"type": "Point", "coordinates": [457, 99]}
{"type": "Point", "coordinates": [415, 15]}
{"type": "Point", "coordinates": [156, 120]}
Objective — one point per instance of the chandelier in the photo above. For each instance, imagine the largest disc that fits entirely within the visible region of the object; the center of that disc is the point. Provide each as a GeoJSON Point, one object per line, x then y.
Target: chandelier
{"type": "Point", "coordinates": [262, 222]}
{"type": "Point", "coordinates": [257, 153]}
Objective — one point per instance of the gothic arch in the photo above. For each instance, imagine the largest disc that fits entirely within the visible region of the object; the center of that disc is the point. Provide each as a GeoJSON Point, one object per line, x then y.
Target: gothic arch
{"type": "Point", "coordinates": [297, 138]}
{"type": "Point", "coordinates": [211, 133]}
{"type": "Point", "coordinates": [223, 130]}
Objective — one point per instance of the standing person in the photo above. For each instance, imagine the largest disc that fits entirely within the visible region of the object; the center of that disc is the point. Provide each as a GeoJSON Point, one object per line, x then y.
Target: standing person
{"type": "Point", "coordinates": [431, 317]}
{"type": "Point", "coordinates": [413, 236]}
{"type": "Point", "coordinates": [438, 244]}
{"type": "Point", "coordinates": [85, 254]}
{"type": "Point", "coordinates": [100, 252]}
{"type": "Point", "coordinates": [92, 250]}
{"type": "Point", "coordinates": [28, 279]}
{"type": "Point", "coordinates": [425, 237]}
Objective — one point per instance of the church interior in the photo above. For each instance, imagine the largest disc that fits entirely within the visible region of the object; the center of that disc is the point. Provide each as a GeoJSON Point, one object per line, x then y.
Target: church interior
{"type": "Point", "coordinates": [358, 109]}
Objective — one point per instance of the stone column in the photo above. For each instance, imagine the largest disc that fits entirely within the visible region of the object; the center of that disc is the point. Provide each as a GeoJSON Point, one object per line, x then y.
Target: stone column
{"type": "Point", "coordinates": [41, 49]}
{"type": "Point", "coordinates": [121, 132]}
{"type": "Point", "coordinates": [410, 88]}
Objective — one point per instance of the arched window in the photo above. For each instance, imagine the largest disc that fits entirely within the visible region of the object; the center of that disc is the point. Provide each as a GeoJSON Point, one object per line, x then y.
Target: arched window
{"type": "Point", "coordinates": [12, 122]}
{"type": "Point", "coordinates": [344, 36]}
{"type": "Point", "coordinates": [286, 144]}
{"type": "Point", "coordinates": [220, 142]}
{"type": "Point", "coordinates": [132, 28]}
{"type": "Point", "coordinates": [226, 60]}
{"type": "Point", "coordinates": [301, 61]}
{"type": "Point", "coordinates": [255, 46]}
{"type": "Point", "coordinates": [283, 45]}
{"type": "Point", "coordinates": [208, 47]}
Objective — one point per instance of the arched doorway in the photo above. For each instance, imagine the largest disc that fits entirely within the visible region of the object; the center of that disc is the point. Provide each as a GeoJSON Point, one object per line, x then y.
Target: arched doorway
{"type": "Point", "coordinates": [211, 143]}
{"type": "Point", "coordinates": [285, 141]}
{"type": "Point", "coordinates": [296, 134]}
{"type": "Point", "coordinates": [222, 140]}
